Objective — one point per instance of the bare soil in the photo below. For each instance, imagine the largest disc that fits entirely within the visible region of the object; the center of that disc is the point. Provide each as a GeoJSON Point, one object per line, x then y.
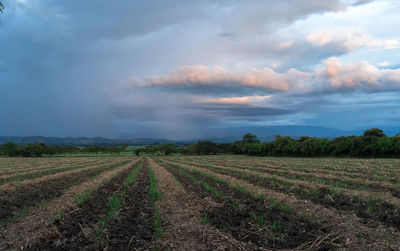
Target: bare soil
{"type": "Point", "coordinates": [76, 230]}
{"type": "Point", "coordinates": [290, 231]}
{"type": "Point", "coordinates": [133, 228]}
{"type": "Point", "coordinates": [27, 196]}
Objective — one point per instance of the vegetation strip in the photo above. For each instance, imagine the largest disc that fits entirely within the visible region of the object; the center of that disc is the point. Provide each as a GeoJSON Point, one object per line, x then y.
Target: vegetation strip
{"type": "Point", "coordinates": [238, 207]}
{"type": "Point", "coordinates": [76, 229]}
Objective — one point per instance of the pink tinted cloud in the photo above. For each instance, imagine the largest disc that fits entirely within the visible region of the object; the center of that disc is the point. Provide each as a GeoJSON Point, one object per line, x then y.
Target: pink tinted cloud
{"type": "Point", "coordinates": [332, 77]}
{"type": "Point", "coordinates": [360, 75]}
{"type": "Point", "coordinates": [241, 100]}
{"type": "Point", "coordinates": [201, 75]}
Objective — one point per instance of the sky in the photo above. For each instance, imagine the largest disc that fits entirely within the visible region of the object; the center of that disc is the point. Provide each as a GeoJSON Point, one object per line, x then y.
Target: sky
{"type": "Point", "coordinates": [180, 69]}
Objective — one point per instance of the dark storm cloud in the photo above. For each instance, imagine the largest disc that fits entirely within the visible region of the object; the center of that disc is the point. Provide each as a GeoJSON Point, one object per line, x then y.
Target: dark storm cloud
{"type": "Point", "coordinates": [218, 89]}
{"type": "Point", "coordinates": [242, 111]}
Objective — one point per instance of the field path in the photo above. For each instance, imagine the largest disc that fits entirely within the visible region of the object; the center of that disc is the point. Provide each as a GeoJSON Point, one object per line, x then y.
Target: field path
{"type": "Point", "coordinates": [33, 226]}
{"type": "Point", "coordinates": [182, 218]}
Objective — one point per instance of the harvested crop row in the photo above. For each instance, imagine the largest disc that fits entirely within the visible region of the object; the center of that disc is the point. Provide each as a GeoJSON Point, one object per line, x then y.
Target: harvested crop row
{"type": "Point", "coordinates": [44, 167]}
{"type": "Point", "coordinates": [368, 208]}
{"type": "Point", "coordinates": [44, 172]}
{"type": "Point", "coordinates": [77, 229]}
{"type": "Point", "coordinates": [16, 203]}
{"type": "Point", "coordinates": [370, 175]}
{"type": "Point", "coordinates": [133, 227]}
{"type": "Point", "coordinates": [21, 164]}
{"type": "Point", "coordinates": [248, 218]}
{"type": "Point", "coordinates": [28, 164]}
{"type": "Point", "coordinates": [316, 178]}
{"type": "Point", "coordinates": [12, 186]}
{"type": "Point", "coordinates": [19, 233]}
{"type": "Point", "coordinates": [370, 167]}
{"type": "Point", "coordinates": [358, 233]}
{"type": "Point", "coordinates": [182, 214]}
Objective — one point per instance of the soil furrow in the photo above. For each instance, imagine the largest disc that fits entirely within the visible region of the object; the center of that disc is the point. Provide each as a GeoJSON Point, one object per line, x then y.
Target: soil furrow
{"type": "Point", "coordinates": [252, 220]}
{"type": "Point", "coordinates": [13, 203]}
{"type": "Point", "coordinates": [75, 230]}
{"type": "Point", "coordinates": [26, 229]}
{"type": "Point", "coordinates": [371, 209]}
{"type": "Point", "coordinates": [182, 214]}
{"type": "Point", "coordinates": [132, 228]}
{"type": "Point", "coordinates": [360, 234]}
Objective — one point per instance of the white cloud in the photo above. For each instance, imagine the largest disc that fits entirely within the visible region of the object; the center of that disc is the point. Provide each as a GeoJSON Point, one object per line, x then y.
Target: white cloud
{"type": "Point", "coordinates": [360, 75]}
{"type": "Point", "coordinates": [348, 39]}
{"type": "Point", "coordinates": [384, 64]}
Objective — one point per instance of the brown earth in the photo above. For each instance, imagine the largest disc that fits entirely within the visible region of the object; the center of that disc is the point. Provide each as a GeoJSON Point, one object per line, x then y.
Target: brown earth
{"type": "Point", "coordinates": [76, 229]}
{"type": "Point", "coordinates": [14, 202]}
{"type": "Point", "coordinates": [290, 231]}
{"type": "Point", "coordinates": [132, 229]}
{"type": "Point", "coordinates": [359, 235]}
{"type": "Point", "coordinates": [31, 227]}
{"type": "Point", "coordinates": [382, 211]}
{"type": "Point", "coordinates": [182, 214]}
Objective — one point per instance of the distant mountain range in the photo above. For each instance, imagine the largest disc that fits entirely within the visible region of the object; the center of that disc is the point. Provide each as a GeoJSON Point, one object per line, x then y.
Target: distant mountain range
{"type": "Point", "coordinates": [226, 134]}
{"type": "Point", "coordinates": [81, 141]}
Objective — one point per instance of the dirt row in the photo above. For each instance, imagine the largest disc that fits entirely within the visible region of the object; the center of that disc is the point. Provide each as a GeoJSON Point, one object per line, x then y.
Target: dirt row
{"type": "Point", "coordinates": [76, 230]}
{"type": "Point", "coordinates": [19, 171]}
{"type": "Point", "coordinates": [46, 171]}
{"type": "Point", "coordinates": [378, 211]}
{"type": "Point", "coordinates": [26, 229]}
{"type": "Point", "coordinates": [315, 178]}
{"type": "Point", "coordinates": [133, 228]}
{"type": "Point", "coordinates": [384, 176]}
{"type": "Point", "coordinates": [254, 221]}
{"type": "Point", "coordinates": [370, 169]}
{"type": "Point", "coordinates": [15, 202]}
{"type": "Point", "coordinates": [182, 213]}
{"type": "Point", "coordinates": [12, 186]}
{"type": "Point", "coordinates": [11, 165]}
{"type": "Point", "coordinates": [360, 234]}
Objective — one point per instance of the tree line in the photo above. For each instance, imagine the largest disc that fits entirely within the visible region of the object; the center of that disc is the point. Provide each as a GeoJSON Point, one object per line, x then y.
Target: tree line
{"type": "Point", "coordinates": [373, 143]}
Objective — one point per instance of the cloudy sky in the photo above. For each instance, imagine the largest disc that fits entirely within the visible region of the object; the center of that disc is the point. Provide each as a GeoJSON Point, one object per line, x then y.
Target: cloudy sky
{"type": "Point", "coordinates": [179, 69]}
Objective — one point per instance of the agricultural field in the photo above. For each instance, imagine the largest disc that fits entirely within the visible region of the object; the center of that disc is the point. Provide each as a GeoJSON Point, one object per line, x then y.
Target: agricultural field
{"type": "Point", "coordinates": [199, 203]}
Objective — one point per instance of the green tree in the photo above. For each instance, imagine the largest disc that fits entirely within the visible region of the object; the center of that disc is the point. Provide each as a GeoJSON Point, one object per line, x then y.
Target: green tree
{"type": "Point", "coordinates": [10, 149]}
{"type": "Point", "coordinates": [169, 148]}
{"type": "Point", "coordinates": [374, 133]}
{"type": "Point", "coordinates": [250, 138]}
{"type": "Point", "coordinates": [137, 152]}
{"type": "Point", "coordinates": [1, 7]}
{"type": "Point", "coordinates": [38, 149]}
{"type": "Point", "coordinates": [206, 147]}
